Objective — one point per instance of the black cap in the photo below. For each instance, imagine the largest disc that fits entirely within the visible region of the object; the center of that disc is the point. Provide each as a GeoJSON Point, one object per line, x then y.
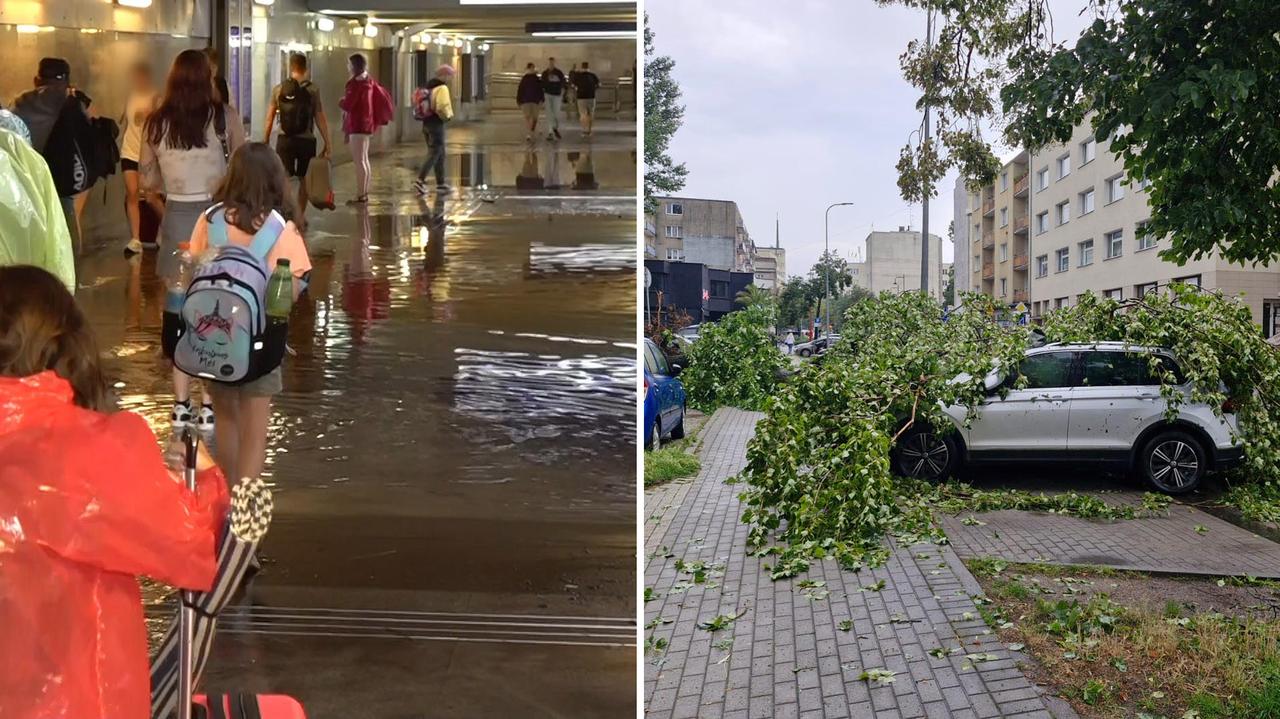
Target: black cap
{"type": "Point", "coordinates": [54, 68]}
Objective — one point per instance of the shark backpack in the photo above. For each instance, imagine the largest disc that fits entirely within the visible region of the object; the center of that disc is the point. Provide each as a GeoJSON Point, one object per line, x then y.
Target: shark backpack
{"type": "Point", "coordinates": [223, 333]}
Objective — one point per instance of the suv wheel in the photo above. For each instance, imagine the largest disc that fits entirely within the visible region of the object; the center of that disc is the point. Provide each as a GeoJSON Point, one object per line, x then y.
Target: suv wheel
{"type": "Point", "coordinates": [925, 454]}
{"type": "Point", "coordinates": [1173, 462]}
{"type": "Point", "coordinates": [805, 352]}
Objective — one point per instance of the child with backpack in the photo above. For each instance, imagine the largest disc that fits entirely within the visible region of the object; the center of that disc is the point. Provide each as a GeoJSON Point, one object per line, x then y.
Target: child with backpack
{"type": "Point", "coordinates": [433, 107]}
{"type": "Point", "coordinates": [239, 352]}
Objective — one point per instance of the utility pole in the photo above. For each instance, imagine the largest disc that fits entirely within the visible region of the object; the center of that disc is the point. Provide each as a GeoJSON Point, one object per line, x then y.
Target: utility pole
{"type": "Point", "coordinates": [924, 224]}
{"type": "Point", "coordinates": [826, 268]}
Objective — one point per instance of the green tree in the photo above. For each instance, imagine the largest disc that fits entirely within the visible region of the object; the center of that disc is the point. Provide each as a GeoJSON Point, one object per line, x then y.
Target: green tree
{"type": "Point", "coordinates": [834, 269]}
{"type": "Point", "coordinates": [1183, 90]}
{"type": "Point", "coordinates": [753, 295]}
{"type": "Point", "coordinates": [735, 361]}
{"type": "Point", "coordinates": [949, 288]}
{"type": "Point", "coordinates": [663, 115]}
{"type": "Point", "coordinates": [796, 301]}
{"type": "Point", "coordinates": [840, 305]}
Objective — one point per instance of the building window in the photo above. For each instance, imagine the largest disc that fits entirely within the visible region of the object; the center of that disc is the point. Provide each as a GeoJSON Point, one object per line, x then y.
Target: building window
{"type": "Point", "coordinates": [977, 262]}
{"type": "Point", "coordinates": [1060, 303]}
{"type": "Point", "coordinates": [1193, 280]}
{"type": "Point", "coordinates": [977, 232]}
{"type": "Point", "coordinates": [1042, 222]}
{"type": "Point", "coordinates": [1144, 183]}
{"type": "Point", "coordinates": [1117, 294]}
{"type": "Point", "coordinates": [1115, 188]}
{"type": "Point", "coordinates": [1270, 318]}
{"type": "Point", "coordinates": [1088, 149]}
{"type": "Point", "coordinates": [675, 208]}
{"type": "Point", "coordinates": [1004, 180]}
{"type": "Point", "coordinates": [1143, 289]}
{"type": "Point", "coordinates": [1042, 178]}
{"type": "Point", "coordinates": [1004, 216]}
{"type": "Point", "coordinates": [1064, 259]}
{"type": "Point", "coordinates": [1064, 213]}
{"type": "Point", "coordinates": [674, 231]}
{"type": "Point", "coordinates": [1004, 285]}
{"type": "Point", "coordinates": [674, 254]}
{"type": "Point", "coordinates": [1086, 201]}
{"type": "Point", "coordinates": [1004, 251]}
{"type": "Point", "coordinates": [1064, 166]}
{"type": "Point", "coordinates": [1042, 265]}
{"type": "Point", "coordinates": [1086, 252]}
{"type": "Point", "coordinates": [720, 289]}
{"type": "Point", "coordinates": [1115, 244]}
{"type": "Point", "coordinates": [1146, 240]}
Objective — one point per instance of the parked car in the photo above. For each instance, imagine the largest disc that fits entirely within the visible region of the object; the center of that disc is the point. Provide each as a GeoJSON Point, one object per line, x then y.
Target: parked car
{"type": "Point", "coordinates": [689, 334]}
{"type": "Point", "coordinates": [664, 398]}
{"type": "Point", "coordinates": [816, 347]}
{"type": "Point", "coordinates": [1091, 404]}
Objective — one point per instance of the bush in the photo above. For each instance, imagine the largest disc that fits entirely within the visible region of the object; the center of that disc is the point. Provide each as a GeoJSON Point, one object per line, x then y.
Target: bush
{"type": "Point", "coordinates": [735, 361]}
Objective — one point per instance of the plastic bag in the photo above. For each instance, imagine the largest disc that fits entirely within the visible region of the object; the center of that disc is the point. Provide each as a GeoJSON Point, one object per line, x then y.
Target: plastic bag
{"type": "Point", "coordinates": [87, 505]}
{"type": "Point", "coordinates": [319, 187]}
{"type": "Point", "coordinates": [33, 227]}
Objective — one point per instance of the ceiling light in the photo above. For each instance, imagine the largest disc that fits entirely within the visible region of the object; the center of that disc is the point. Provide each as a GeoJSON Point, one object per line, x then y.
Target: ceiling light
{"type": "Point", "coordinates": [442, 40]}
{"type": "Point", "coordinates": [325, 24]}
{"type": "Point", "coordinates": [134, 3]}
{"type": "Point", "coordinates": [589, 34]}
{"type": "Point", "coordinates": [28, 29]}
{"type": "Point", "coordinates": [90, 30]}
{"type": "Point", "coordinates": [457, 43]}
{"type": "Point", "coordinates": [370, 30]}
{"type": "Point", "coordinates": [539, 2]}
{"type": "Point", "coordinates": [264, 2]}
{"type": "Point", "coordinates": [484, 46]}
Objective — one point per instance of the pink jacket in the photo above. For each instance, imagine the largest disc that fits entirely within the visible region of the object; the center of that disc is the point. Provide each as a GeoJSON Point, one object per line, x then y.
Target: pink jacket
{"type": "Point", "coordinates": [357, 106]}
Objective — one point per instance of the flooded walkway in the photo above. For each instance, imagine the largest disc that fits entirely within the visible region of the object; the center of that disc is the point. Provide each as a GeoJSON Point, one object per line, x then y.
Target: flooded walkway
{"type": "Point", "coordinates": [453, 455]}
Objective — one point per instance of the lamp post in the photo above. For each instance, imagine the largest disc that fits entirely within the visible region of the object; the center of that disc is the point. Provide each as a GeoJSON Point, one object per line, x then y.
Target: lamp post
{"type": "Point", "coordinates": [826, 246]}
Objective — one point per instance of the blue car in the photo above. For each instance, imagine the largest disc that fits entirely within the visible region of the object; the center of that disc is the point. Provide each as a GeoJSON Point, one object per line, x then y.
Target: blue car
{"type": "Point", "coordinates": [663, 398]}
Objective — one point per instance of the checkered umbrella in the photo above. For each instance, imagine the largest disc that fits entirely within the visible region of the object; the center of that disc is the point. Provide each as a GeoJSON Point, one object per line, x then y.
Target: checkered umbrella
{"type": "Point", "coordinates": [250, 515]}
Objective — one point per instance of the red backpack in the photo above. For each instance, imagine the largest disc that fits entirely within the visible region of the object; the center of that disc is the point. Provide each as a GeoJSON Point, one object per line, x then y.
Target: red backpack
{"type": "Point", "coordinates": [384, 110]}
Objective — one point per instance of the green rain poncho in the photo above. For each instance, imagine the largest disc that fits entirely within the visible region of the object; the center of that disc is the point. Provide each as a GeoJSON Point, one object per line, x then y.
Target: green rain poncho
{"type": "Point", "coordinates": [33, 228]}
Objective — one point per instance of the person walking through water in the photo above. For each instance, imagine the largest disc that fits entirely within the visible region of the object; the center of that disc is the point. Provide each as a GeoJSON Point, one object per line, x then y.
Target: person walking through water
{"type": "Point", "coordinates": [553, 82]}
{"type": "Point", "coordinates": [142, 100]}
{"type": "Point", "coordinates": [254, 192]}
{"type": "Point", "coordinates": [359, 120]}
{"type": "Point", "coordinates": [586, 83]}
{"type": "Point", "coordinates": [187, 143]}
{"type": "Point", "coordinates": [433, 106]}
{"type": "Point", "coordinates": [297, 102]}
{"type": "Point", "coordinates": [529, 96]}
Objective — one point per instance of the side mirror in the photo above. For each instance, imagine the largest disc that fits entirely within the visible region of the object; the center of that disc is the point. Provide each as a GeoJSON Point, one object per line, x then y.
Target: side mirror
{"type": "Point", "coordinates": [676, 369]}
{"type": "Point", "coordinates": [992, 382]}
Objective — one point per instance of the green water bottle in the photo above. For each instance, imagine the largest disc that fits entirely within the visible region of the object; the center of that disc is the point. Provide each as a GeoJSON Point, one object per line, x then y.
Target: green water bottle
{"type": "Point", "coordinates": [280, 292]}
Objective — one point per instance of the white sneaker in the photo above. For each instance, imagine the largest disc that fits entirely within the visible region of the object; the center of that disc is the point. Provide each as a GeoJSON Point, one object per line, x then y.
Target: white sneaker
{"type": "Point", "coordinates": [134, 246]}
{"type": "Point", "coordinates": [204, 420]}
{"type": "Point", "coordinates": [181, 416]}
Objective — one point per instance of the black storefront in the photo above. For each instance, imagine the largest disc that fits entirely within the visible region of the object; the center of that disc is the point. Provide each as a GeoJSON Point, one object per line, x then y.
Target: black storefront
{"type": "Point", "coordinates": [705, 293]}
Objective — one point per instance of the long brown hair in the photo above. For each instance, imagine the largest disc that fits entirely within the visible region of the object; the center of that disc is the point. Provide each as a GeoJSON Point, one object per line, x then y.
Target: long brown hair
{"type": "Point", "coordinates": [42, 328]}
{"type": "Point", "coordinates": [189, 103]}
{"type": "Point", "coordinates": [255, 184]}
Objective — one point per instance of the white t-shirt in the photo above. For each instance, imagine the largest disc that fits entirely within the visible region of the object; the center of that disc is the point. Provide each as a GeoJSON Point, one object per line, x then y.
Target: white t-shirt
{"type": "Point", "coordinates": [136, 110]}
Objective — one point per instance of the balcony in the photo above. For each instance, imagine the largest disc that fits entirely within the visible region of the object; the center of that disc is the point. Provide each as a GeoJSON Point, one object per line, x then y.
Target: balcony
{"type": "Point", "coordinates": [1021, 185]}
{"type": "Point", "coordinates": [1020, 225]}
{"type": "Point", "coordinates": [1019, 295]}
{"type": "Point", "coordinates": [988, 272]}
{"type": "Point", "coordinates": [1020, 263]}
{"type": "Point", "coordinates": [989, 207]}
{"type": "Point", "coordinates": [988, 240]}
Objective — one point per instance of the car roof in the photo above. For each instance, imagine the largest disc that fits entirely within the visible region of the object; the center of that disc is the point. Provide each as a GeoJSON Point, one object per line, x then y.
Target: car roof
{"type": "Point", "coordinates": [1097, 346]}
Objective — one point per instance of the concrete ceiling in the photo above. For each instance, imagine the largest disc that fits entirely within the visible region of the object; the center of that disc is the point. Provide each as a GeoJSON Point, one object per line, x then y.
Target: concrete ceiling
{"type": "Point", "coordinates": [504, 22]}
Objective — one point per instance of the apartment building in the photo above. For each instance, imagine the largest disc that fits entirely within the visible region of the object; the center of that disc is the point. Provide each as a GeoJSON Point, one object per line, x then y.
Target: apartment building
{"type": "Point", "coordinates": [892, 263]}
{"type": "Point", "coordinates": [995, 228]}
{"type": "Point", "coordinates": [960, 232]}
{"type": "Point", "coordinates": [1088, 221]}
{"type": "Point", "coordinates": [771, 267]}
{"type": "Point", "coordinates": [708, 232]}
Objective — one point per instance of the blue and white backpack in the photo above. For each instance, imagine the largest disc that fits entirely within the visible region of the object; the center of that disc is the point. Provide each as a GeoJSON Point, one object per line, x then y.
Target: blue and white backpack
{"type": "Point", "coordinates": [224, 334]}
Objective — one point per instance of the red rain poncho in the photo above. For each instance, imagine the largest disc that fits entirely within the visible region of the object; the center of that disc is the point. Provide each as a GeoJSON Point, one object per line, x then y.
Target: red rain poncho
{"type": "Point", "coordinates": [86, 504]}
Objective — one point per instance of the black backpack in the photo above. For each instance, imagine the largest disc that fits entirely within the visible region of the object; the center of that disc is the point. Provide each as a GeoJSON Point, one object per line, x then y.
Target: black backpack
{"type": "Point", "coordinates": [295, 106]}
{"type": "Point", "coordinates": [70, 150]}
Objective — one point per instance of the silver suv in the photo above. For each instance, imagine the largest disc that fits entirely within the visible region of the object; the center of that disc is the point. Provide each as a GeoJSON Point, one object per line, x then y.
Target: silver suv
{"type": "Point", "coordinates": [1096, 404]}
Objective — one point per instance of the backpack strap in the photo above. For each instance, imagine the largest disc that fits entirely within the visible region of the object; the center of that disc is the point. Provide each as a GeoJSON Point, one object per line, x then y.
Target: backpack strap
{"type": "Point", "coordinates": [267, 235]}
{"type": "Point", "coordinates": [216, 218]}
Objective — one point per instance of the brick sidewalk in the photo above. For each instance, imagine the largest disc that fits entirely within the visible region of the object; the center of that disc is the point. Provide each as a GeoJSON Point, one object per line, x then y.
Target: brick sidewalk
{"type": "Point", "coordinates": [786, 655]}
{"type": "Point", "coordinates": [1157, 544]}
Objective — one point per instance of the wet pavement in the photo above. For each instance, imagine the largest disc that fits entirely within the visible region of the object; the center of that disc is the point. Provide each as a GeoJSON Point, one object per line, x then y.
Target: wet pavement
{"type": "Point", "coordinates": [453, 455]}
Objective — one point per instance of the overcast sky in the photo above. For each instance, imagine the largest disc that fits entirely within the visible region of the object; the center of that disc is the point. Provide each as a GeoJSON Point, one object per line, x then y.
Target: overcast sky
{"type": "Point", "coordinates": [792, 105]}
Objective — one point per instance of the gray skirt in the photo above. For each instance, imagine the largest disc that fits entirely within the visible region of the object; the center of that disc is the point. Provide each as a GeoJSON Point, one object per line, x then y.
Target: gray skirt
{"type": "Point", "coordinates": [179, 220]}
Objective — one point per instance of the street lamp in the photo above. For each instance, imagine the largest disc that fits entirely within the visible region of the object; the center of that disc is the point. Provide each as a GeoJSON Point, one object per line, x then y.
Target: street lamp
{"type": "Point", "coordinates": [826, 245]}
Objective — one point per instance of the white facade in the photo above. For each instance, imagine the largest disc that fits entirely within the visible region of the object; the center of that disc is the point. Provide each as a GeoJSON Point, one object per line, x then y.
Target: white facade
{"type": "Point", "coordinates": [892, 263]}
{"type": "Point", "coordinates": [1087, 235]}
{"type": "Point", "coordinates": [960, 238]}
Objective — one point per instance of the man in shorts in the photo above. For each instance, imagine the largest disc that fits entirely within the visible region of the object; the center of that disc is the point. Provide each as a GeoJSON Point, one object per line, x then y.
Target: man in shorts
{"type": "Point", "coordinates": [529, 96]}
{"type": "Point", "coordinates": [297, 102]}
{"type": "Point", "coordinates": [586, 83]}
